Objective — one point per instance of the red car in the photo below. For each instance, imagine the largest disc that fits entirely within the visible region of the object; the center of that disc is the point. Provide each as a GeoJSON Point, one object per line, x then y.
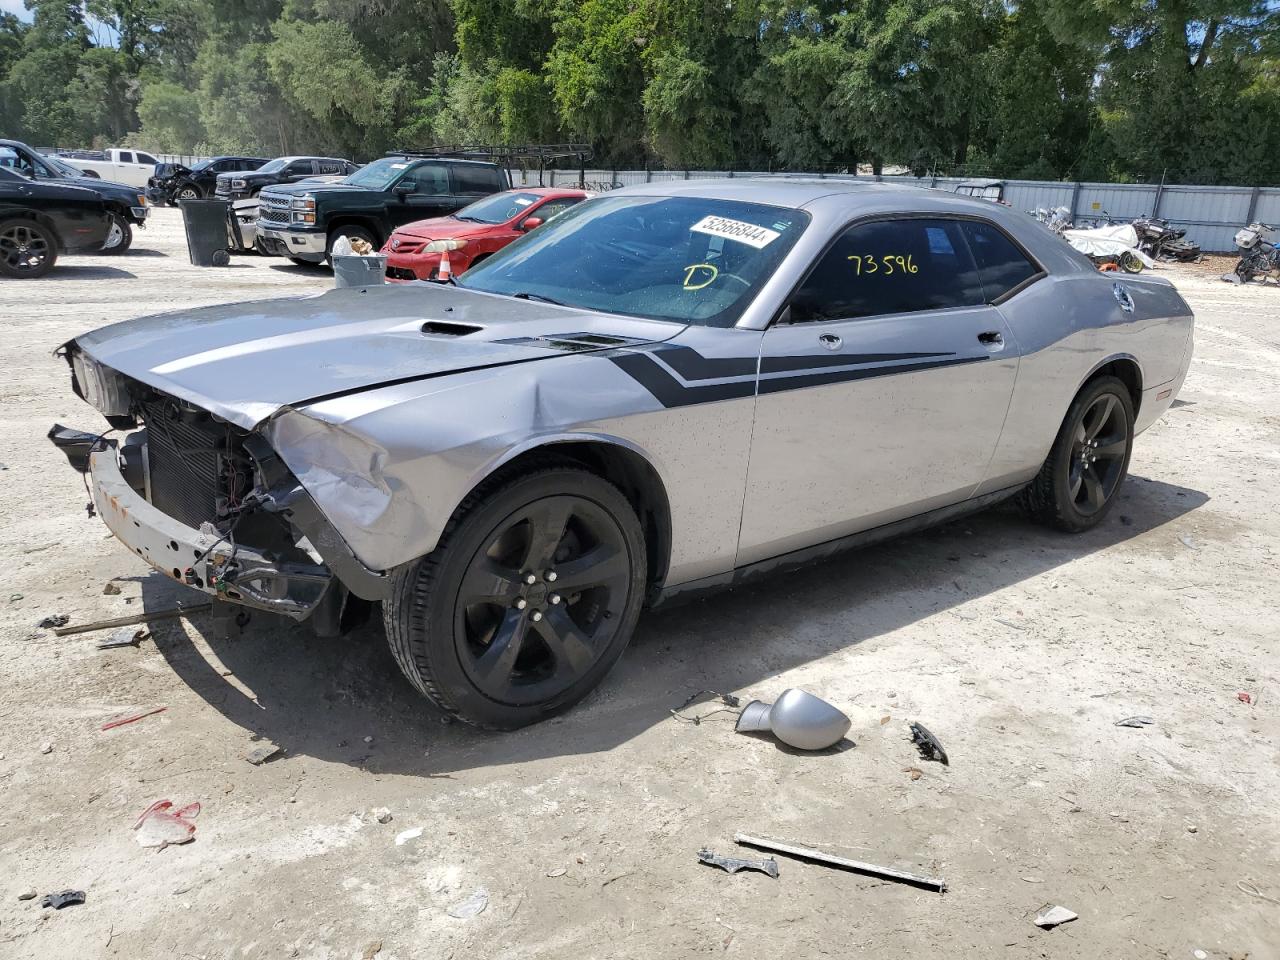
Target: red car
{"type": "Point", "coordinates": [473, 233]}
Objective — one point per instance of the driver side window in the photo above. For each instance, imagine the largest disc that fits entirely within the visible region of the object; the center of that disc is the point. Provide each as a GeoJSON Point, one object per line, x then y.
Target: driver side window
{"type": "Point", "coordinates": [429, 180]}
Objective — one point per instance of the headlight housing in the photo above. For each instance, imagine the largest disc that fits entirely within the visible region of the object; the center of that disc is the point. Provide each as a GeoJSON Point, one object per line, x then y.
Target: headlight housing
{"type": "Point", "coordinates": [303, 209]}
{"type": "Point", "coordinates": [237, 184]}
{"type": "Point", "coordinates": [440, 246]}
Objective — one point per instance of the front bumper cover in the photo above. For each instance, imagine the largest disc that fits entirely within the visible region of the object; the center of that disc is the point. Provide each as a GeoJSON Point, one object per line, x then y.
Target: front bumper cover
{"type": "Point", "coordinates": [305, 245]}
{"type": "Point", "coordinates": [241, 575]}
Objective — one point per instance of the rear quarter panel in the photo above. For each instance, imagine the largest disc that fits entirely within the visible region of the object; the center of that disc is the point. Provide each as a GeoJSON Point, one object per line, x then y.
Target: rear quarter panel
{"type": "Point", "coordinates": [1067, 327]}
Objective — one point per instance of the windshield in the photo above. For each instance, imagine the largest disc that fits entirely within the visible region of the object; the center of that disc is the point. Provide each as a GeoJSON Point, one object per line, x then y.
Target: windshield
{"type": "Point", "coordinates": [201, 164]}
{"type": "Point", "coordinates": [687, 259]}
{"type": "Point", "coordinates": [379, 174]}
{"type": "Point", "coordinates": [499, 208]}
{"type": "Point", "coordinates": [62, 168]}
{"type": "Point", "coordinates": [271, 166]}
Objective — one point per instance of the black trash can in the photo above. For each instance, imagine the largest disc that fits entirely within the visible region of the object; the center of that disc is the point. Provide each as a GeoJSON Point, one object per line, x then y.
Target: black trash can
{"type": "Point", "coordinates": [207, 223]}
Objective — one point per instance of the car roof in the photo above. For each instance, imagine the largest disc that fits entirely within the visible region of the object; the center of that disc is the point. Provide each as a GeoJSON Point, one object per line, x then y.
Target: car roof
{"type": "Point", "coordinates": [418, 156]}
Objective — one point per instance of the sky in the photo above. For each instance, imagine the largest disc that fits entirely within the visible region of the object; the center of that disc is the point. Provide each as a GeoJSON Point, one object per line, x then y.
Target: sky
{"type": "Point", "coordinates": [15, 6]}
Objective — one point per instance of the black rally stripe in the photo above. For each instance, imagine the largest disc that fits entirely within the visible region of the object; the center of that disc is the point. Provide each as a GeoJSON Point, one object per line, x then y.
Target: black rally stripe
{"type": "Point", "coordinates": [780, 384]}
{"type": "Point", "coordinates": [670, 392]}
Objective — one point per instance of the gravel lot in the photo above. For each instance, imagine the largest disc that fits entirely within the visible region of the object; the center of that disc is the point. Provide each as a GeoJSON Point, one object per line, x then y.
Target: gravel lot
{"type": "Point", "coordinates": [1019, 648]}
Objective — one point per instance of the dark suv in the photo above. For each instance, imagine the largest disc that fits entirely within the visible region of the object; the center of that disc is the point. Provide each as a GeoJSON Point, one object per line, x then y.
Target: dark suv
{"type": "Point", "coordinates": [40, 219]}
{"type": "Point", "coordinates": [247, 183]}
{"type": "Point", "coordinates": [174, 182]}
{"type": "Point", "coordinates": [302, 221]}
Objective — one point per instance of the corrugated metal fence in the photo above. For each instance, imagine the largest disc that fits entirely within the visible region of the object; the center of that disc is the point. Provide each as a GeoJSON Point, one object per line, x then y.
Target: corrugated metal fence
{"type": "Point", "coordinates": [1211, 215]}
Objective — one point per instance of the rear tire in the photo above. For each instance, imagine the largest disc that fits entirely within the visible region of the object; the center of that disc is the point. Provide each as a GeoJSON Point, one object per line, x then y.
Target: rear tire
{"type": "Point", "coordinates": [485, 645]}
{"type": "Point", "coordinates": [1088, 461]}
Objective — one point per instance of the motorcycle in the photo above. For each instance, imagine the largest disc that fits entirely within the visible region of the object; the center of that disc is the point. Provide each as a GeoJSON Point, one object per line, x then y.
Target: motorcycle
{"type": "Point", "coordinates": [1261, 257]}
{"type": "Point", "coordinates": [1162, 242]}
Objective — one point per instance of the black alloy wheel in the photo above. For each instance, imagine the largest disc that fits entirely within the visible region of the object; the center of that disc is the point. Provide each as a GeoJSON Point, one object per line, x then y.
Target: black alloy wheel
{"type": "Point", "coordinates": [27, 250]}
{"type": "Point", "coordinates": [1088, 461]}
{"type": "Point", "coordinates": [1099, 454]}
{"type": "Point", "coordinates": [528, 600]}
{"type": "Point", "coordinates": [541, 600]}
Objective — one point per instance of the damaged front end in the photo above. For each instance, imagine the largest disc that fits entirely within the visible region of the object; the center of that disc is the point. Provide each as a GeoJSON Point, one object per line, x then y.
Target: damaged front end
{"type": "Point", "coordinates": [209, 503]}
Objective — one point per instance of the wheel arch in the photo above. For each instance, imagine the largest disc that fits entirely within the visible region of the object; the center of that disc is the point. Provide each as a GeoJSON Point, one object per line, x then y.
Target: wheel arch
{"type": "Point", "coordinates": [623, 465]}
{"type": "Point", "coordinates": [1125, 368]}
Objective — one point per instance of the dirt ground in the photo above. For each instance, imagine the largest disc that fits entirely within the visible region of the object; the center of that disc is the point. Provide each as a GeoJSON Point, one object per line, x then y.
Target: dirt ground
{"type": "Point", "coordinates": [1018, 647]}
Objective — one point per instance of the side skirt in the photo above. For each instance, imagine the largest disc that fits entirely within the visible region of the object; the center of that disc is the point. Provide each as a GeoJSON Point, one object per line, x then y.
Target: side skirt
{"type": "Point", "coordinates": [788, 562]}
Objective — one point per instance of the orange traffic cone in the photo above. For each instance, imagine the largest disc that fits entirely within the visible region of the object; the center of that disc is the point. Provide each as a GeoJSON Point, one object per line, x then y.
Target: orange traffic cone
{"type": "Point", "coordinates": [445, 273]}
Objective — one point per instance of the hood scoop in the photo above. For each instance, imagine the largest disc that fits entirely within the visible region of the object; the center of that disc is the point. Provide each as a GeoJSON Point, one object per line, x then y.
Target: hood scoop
{"type": "Point", "coordinates": [448, 328]}
{"type": "Point", "coordinates": [574, 342]}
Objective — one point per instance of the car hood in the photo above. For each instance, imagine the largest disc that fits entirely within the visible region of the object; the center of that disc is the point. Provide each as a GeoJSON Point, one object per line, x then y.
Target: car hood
{"type": "Point", "coordinates": [244, 362]}
{"type": "Point", "coordinates": [106, 188]}
{"type": "Point", "coordinates": [318, 189]}
{"type": "Point", "coordinates": [444, 228]}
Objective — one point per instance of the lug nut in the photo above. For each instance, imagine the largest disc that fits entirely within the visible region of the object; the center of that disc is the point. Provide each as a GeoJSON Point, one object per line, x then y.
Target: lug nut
{"type": "Point", "coordinates": [554, 598]}
{"type": "Point", "coordinates": [551, 576]}
{"type": "Point", "coordinates": [521, 603]}
{"type": "Point", "coordinates": [537, 615]}
{"type": "Point", "coordinates": [531, 579]}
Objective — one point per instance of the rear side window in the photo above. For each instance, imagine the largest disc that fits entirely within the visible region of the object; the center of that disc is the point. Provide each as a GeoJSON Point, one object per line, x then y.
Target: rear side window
{"type": "Point", "coordinates": [891, 266]}
{"type": "Point", "coordinates": [145, 158]}
{"type": "Point", "coordinates": [1001, 265]}
{"type": "Point", "coordinates": [332, 167]}
{"type": "Point", "coordinates": [468, 179]}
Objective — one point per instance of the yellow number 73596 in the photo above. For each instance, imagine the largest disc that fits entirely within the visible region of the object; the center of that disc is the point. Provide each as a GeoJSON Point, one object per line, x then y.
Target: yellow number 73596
{"type": "Point", "coordinates": [890, 263]}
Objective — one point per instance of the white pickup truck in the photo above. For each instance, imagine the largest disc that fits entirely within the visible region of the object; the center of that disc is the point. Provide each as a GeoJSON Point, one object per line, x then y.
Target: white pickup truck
{"type": "Point", "coordinates": [133, 167]}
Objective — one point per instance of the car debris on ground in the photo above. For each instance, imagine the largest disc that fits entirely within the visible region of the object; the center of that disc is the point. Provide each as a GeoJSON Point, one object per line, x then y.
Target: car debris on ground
{"type": "Point", "coordinates": [1135, 722]}
{"type": "Point", "coordinates": [124, 637]}
{"type": "Point", "coordinates": [404, 836]}
{"type": "Point", "coordinates": [179, 611]}
{"type": "Point", "coordinates": [732, 864]}
{"type": "Point", "coordinates": [159, 827]}
{"type": "Point", "coordinates": [262, 753]}
{"type": "Point", "coordinates": [64, 898]}
{"type": "Point", "coordinates": [929, 745]}
{"type": "Point", "coordinates": [797, 718]}
{"type": "Point", "coordinates": [842, 863]}
{"type": "Point", "coordinates": [131, 718]}
{"type": "Point", "coordinates": [55, 620]}
{"type": "Point", "coordinates": [470, 907]}
{"type": "Point", "coordinates": [1051, 916]}
{"type": "Point", "coordinates": [29, 894]}
{"type": "Point", "coordinates": [381, 814]}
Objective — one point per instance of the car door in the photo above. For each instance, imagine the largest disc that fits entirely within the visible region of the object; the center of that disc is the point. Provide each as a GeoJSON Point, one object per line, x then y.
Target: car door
{"type": "Point", "coordinates": [882, 392]}
{"type": "Point", "coordinates": [422, 191]}
{"type": "Point", "coordinates": [299, 170]}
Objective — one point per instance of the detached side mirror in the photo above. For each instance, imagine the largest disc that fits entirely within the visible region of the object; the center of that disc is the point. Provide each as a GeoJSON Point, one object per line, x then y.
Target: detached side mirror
{"type": "Point", "coordinates": [530, 223]}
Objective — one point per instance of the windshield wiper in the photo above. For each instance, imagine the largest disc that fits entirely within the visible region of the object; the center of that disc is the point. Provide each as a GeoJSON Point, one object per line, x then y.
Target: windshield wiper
{"type": "Point", "coordinates": [536, 296]}
{"type": "Point", "coordinates": [469, 219]}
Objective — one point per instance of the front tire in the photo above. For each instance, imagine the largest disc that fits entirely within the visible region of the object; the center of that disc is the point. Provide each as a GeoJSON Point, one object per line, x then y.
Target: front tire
{"type": "Point", "coordinates": [1088, 461]}
{"type": "Point", "coordinates": [188, 191]}
{"type": "Point", "coordinates": [119, 237]}
{"type": "Point", "coordinates": [486, 645]}
{"type": "Point", "coordinates": [1130, 262]}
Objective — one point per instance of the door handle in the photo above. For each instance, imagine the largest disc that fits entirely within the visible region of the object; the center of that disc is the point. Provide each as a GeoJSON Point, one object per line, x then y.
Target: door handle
{"type": "Point", "coordinates": [990, 336]}
{"type": "Point", "coordinates": [830, 341]}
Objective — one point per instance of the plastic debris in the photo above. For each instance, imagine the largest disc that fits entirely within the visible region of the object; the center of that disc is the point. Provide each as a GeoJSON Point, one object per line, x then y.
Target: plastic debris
{"type": "Point", "coordinates": [1050, 916]}
{"type": "Point", "coordinates": [797, 718]}
{"type": "Point", "coordinates": [371, 950]}
{"type": "Point", "coordinates": [261, 753]}
{"type": "Point", "coordinates": [472, 906]}
{"type": "Point", "coordinates": [160, 828]}
{"type": "Point", "coordinates": [28, 895]}
{"type": "Point", "coordinates": [111, 589]}
{"type": "Point", "coordinates": [842, 863]}
{"type": "Point", "coordinates": [124, 637]}
{"type": "Point", "coordinates": [732, 864]}
{"type": "Point", "coordinates": [1135, 722]}
{"type": "Point", "coordinates": [557, 872]}
{"type": "Point", "coordinates": [381, 814]}
{"type": "Point", "coordinates": [1200, 955]}
{"type": "Point", "coordinates": [64, 898]}
{"type": "Point", "coordinates": [1189, 543]}
{"type": "Point", "coordinates": [56, 620]}
{"type": "Point", "coordinates": [46, 748]}
{"type": "Point", "coordinates": [929, 745]}
{"type": "Point", "coordinates": [404, 836]}
{"type": "Point", "coordinates": [112, 724]}
{"type": "Point", "coordinates": [1244, 697]}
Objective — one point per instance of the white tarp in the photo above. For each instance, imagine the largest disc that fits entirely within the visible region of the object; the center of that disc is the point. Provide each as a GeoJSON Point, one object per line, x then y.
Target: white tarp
{"type": "Point", "coordinates": [1107, 242]}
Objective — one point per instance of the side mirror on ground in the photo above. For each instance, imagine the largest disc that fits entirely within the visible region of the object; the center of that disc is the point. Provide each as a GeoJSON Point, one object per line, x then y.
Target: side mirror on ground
{"type": "Point", "coordinates": [530, 222]}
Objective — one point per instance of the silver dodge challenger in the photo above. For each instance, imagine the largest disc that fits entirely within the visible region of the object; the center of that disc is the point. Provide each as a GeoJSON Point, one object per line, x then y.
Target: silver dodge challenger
{"type": "Point", "coordinates": [665, 390]}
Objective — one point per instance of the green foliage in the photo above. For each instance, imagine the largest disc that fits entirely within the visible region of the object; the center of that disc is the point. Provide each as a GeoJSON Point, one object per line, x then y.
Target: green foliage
{"type": "Point", "coordinates": [1109, 89]}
